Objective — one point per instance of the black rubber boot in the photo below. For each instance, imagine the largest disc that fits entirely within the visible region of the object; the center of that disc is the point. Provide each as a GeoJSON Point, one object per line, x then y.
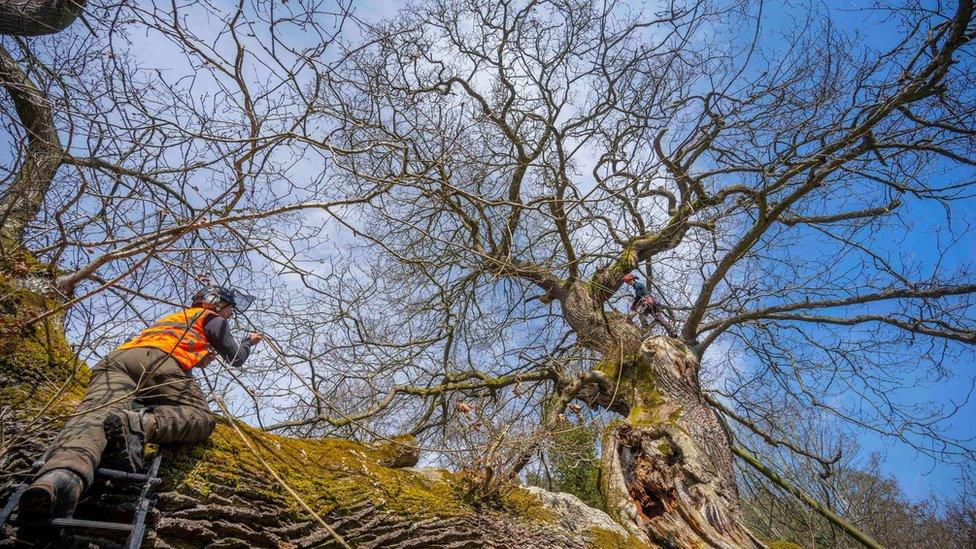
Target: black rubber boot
{"type": "Point", "coordinates": [124, 437]}
{"type": "Point", "coordinates": [54, 495]}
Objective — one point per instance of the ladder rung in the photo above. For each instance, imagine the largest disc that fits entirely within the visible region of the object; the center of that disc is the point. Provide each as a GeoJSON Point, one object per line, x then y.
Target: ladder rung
{"type": "Point", "coordinates": [93, 524]}
{"type": "Point", "coordinates": [121, 475]}
{"type": "Point", "coordinates": [12, 503]}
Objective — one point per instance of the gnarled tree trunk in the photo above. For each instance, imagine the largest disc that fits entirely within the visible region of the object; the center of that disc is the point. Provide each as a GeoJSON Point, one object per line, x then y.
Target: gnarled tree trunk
{"type": "Point", "coordinates": [667, 468]}
{"type": "Point", "coordinates": [667, 471]}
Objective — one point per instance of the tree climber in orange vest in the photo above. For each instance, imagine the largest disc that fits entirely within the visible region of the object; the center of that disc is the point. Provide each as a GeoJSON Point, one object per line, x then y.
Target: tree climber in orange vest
{"type": "Point", "coordinates": [141, 392]}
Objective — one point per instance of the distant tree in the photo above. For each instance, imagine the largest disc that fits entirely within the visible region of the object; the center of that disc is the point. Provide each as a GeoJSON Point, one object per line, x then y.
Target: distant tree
{"type": "Point", "coordinates": [869, 499]}
{"type": "Point", "coordinates": [960, 516]}
{"type": "Point", "coordinates": [572, 464]}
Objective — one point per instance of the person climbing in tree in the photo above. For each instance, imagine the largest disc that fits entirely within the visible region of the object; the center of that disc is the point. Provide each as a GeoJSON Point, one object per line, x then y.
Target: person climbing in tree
{"type": "Point", "coordinates": [141, 392]}
{"type": "Point", "coordinates": [644, 304]}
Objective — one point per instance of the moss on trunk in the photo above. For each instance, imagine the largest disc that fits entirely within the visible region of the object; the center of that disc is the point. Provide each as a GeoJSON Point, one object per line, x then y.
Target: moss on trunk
{"type": "Point", "coordinates": [36, 361]}
{"type": "Point", "coordinates": [329, 474]}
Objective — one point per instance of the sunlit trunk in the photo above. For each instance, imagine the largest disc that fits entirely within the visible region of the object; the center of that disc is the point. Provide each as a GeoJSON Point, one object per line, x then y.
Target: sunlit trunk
{"type": "Point", "coordinates": [666, 468]}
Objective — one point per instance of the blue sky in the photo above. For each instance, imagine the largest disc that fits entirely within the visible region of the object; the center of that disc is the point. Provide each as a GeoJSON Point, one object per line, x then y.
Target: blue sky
{"type": "Point", "coordinates": [918, 475]}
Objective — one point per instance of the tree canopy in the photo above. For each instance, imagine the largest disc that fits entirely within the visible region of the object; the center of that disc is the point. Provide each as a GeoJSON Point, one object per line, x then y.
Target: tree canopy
{"type": "Point", "coordinates": [436, 206]}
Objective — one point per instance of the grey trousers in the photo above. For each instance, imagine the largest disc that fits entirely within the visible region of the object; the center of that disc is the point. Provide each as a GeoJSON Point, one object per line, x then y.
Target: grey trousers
{"type": "Point", "coordinates": [123, 379]}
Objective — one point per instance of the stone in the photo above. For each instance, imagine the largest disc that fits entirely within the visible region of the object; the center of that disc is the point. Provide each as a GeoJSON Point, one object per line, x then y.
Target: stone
{"type": "Point", "coordinates": [573, 514]}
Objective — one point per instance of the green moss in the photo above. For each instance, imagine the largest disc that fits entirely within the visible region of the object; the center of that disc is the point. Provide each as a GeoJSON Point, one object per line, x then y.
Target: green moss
{"type": "Point", "coordinates": [627, 259]}
{"type": "Point", "coordinates": [624, 263]}
{"type": "Point", "coordinates": [601, 538]}
{"type": "Point", "coordinates": [327, 473]}
{"type": "Point", "coordinates": [635, 368]}
{"type": "Point", "coordinates": [36, 362]}
{"type": "Point", "coordinates": [637, 385]}
{"type": "Point", "coordinates": [526, 506]}
{"type": "Point", "coordinates": [676, 415]}
{"type": "Point", "coordinates": [780, 544]}
{"type": "Point", "coordinates": [609, 367]}
{"type": "Point", "coordinates": [400, 451]}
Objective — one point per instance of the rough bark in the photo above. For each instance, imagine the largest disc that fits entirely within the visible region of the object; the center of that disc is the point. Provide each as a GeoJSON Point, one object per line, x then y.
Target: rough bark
{"type": "Point", "coordinates": [667, 473]}
{"type": "Point", "coordinates": [187, 522]}
{"type": "Point", "coordinates": [38, 17]}
{"type": "Point", "coordinates": [222, 502]}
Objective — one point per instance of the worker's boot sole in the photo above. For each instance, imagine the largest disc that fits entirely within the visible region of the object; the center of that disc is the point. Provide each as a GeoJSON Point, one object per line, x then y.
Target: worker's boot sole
{"type": "Point", "coordinates": [123, 450]}
{"type": "Point", "coordinates": [36, 504]}
{"type": "Point", "coordinates": [54, 495]}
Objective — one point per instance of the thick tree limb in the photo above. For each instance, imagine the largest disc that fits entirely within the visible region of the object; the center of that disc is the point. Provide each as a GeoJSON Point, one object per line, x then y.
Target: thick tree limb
{"type": "Point", "coordinates": [38, 17]}
{"type": "Point", "coordinates": [917, 326]}
{"type": "Point", "coordinates": [870, 213]}
{"type": "Point", "coordinates": [274, 474]}
{"type": "Point", "coordinates": [42, 157]}
{"type": "Point", "coordinates": [719, 327]}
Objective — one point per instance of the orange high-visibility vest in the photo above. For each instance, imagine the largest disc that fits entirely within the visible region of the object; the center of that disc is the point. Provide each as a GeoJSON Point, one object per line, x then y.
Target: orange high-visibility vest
{"type": "Point", "coordinates": [179, 334]}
